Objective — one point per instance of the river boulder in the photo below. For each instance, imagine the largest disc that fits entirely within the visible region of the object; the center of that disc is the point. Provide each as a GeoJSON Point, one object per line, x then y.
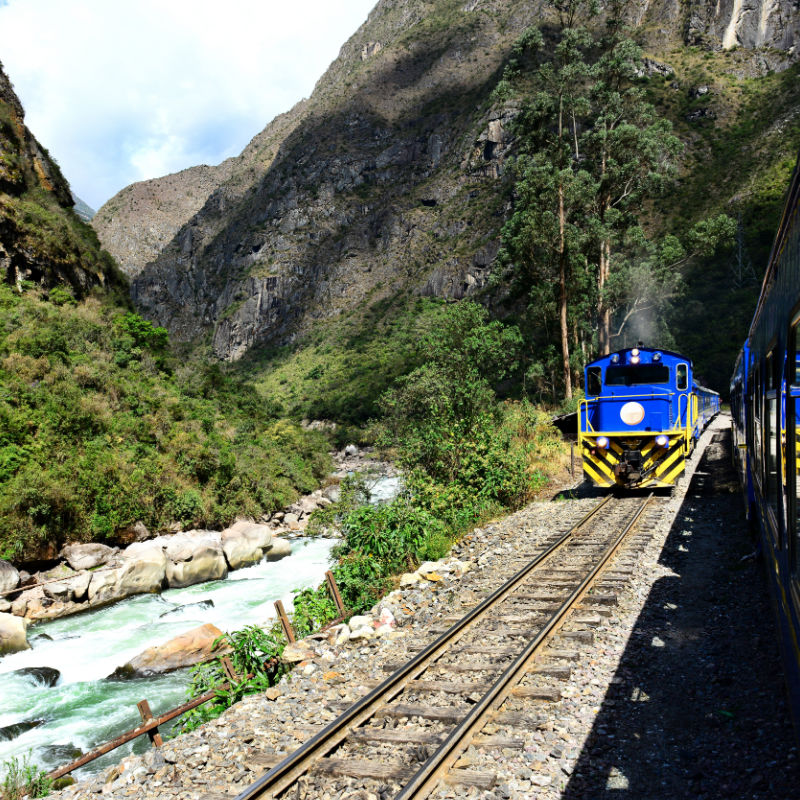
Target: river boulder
{"type": "Point", "coordinates": [87, 556]}
{"type": "Point", "coordinates": [189, 648]}
{"type": "Point", "coordinates": [279, 549]}
{"type": "Point", "coordinates": [72, 589]}
{"type": "Point", "coordinates": [244, 543]}
{"type": "Point", "coordinates": [13, 634]}
{"type": "Point", "coordinates": [41, 676]}
{"type": "Point", "coordinates": [143, 571]}
{"type": "Point", "coordinates": [9, 732]}
{"type": "Point", "coordinates": [194, 557]}
{"type": "Point", "coordinates": [9, 577]}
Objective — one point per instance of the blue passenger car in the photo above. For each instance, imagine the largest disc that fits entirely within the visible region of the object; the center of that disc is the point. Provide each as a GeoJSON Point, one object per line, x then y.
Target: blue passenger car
{"type": "Point", "coordinates": [765, 406]}
{"type": "Point", "coordinates": [642, 414]}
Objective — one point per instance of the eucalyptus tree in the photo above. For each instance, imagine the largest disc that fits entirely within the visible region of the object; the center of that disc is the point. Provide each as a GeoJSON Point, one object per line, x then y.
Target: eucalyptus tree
{"type": "Point", "coordinates": [544, 238]}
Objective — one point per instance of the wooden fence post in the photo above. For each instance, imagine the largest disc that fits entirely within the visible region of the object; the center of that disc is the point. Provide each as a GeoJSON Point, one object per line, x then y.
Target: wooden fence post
{"type": "Point", "coordinates": [285, 624]}
{"type": "Point", "coordinates": [227, 665]}
{"type": "Point", "coordinates": [334, 590]}
{"type": "Point", "coordinates": [146, 715]}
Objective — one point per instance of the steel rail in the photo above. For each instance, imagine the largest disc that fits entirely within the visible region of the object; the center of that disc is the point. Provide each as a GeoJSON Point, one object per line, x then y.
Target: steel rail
{"type": "Point", "coordinates": [300, 761]}
{"type": "Point", "coordinates": [435, 768]}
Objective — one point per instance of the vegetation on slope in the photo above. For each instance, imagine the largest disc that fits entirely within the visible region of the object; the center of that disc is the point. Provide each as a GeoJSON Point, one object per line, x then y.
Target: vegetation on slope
{"type": "Point", "coordinates": [467, 457]}
{"type": "Point", "coordinates": [101, 426]}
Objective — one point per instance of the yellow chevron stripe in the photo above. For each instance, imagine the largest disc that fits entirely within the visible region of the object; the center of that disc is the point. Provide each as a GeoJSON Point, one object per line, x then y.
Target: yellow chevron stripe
{"type": "Point", "coordinates": [673, 474]}
{"type": "Point", "coordinates": [648, 447]}
{"type": "Point", "coordinates": [668, 461]}
{"type": "Point", "coordinates": [600, 466]}
{"type": "Point", "coordinates": [594, 476]}
{"type": "Point", "coordinates": [607, 457]}
{"type": "Point", "coordinates": [616, 448]}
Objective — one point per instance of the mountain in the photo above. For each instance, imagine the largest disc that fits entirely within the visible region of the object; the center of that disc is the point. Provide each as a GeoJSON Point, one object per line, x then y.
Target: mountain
{"type": "Point", "coordinates": [140, 221]}
{"type": "Point", "coordinates": [42, 239]}
{"type": "Point", "coordinates": [83, 210]}
{"type": "Point", "coordinates": [387, 180]}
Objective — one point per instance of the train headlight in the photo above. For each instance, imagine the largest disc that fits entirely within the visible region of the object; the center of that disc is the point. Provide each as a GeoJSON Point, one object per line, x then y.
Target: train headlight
{"type": "Point", "coordinates": [635, 351]}
{"type": "Point", "coordinates": [615, 358]}
{"type": "Point", "coordinates": [602, 442]}
{"type": "Point", "coordinates": [656, 356]}
{"type": "Point", "coordinates": [634, 359]}
{"type": "Point", "coordinates": [662, 440]}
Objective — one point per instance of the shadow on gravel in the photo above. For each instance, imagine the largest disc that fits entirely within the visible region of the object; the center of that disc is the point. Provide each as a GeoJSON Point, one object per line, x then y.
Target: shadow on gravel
{"type": "Point", "coordinates": [697, 708]}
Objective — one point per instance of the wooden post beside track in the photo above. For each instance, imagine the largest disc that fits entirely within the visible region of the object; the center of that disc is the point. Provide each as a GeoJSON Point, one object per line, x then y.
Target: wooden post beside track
{"type": "Point", "coordinates": [230, 672]}
{"type": "Point", "coordinates": [285, 624]}
{"type": "Point", "coordinates": [147, 716]}
{"type": "Point", "coordinates": [334, 590]}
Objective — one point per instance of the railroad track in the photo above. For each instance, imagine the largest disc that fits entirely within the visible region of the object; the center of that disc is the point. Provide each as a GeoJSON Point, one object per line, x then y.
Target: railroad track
{"type": "Point", "coordinates": [406, 736]}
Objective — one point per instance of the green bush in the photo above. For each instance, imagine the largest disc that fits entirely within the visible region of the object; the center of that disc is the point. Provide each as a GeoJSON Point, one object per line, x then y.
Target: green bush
{"type": "Point", "coordinates": [252, 650]}
{"type": "Point", "coordinates": [23, 779]}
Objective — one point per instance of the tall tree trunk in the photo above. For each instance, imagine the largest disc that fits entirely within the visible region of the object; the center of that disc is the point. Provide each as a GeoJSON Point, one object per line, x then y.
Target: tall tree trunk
{"type": "Point", "coordinates": [603, 311]}
{"type": "Point", "coordinates": [562, 269]}
{"type": "Point", "coordinates": [562, 300]}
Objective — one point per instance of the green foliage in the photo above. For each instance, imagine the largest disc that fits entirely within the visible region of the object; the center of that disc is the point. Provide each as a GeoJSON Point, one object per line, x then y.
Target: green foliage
{"type": "Point", "coordinates": [313, 609]}
{"type": "Point", "coordinates": [396, 535]}
{"type": "Point", "coordinates": [23, 779]}
{"type": "Point", "coordinates": [466, 458]}
{"type": "Point", "coordinates": [100, 427]}
{"type": "Point", "coordinates": [437, 410]}
{"type": "Point", "coordinates": [343, 368]}
{"type": "Point", "coordinates": [252, 651]}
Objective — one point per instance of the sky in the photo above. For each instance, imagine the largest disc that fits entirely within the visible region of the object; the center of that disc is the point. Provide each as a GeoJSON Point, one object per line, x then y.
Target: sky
{"type": "Point", "coordinates": [125, 90]}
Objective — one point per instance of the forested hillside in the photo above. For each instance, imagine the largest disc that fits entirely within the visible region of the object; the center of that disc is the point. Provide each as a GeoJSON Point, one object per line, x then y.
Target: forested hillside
{"type": "Point", "coordinates": [101, 426]}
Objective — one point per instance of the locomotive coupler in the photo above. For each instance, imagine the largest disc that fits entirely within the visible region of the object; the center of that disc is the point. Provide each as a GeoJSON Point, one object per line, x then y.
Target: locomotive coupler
{"type": "Point", "coordinates": [630, 465]}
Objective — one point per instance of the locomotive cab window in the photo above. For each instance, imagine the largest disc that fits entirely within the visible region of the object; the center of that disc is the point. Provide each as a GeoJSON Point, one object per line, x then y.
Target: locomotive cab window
{"type": "Point", "coordinates": [637, 375]}
{"type": "Point", "coordinates": [593, 383]}
{"type": "Point", "coordinates": [682, 377]}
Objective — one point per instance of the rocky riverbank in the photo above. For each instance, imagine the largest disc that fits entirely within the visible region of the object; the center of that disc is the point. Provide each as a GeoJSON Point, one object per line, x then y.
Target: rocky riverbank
{"type": "Point", "coordinates": [93, 575]}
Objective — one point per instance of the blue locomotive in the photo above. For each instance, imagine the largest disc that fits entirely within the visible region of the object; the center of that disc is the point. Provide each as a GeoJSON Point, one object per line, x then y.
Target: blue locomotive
{"type": "Point", "coordinates": [765, 405]}
{"type": "Point", "coordinates": [642, 415]}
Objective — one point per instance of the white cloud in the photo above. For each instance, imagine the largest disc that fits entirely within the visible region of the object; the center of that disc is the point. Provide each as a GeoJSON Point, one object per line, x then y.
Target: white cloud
{"type": "Point", "coordinates": [132, 89]}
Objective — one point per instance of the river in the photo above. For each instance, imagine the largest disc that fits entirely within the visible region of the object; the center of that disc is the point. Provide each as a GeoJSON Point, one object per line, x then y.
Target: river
{"type": "Point", "coordinates": [83, 709]}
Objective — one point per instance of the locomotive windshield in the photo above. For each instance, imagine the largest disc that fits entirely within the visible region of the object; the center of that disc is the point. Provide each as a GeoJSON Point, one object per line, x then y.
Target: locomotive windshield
{"type": "Point", "coordinates": [637, 375]}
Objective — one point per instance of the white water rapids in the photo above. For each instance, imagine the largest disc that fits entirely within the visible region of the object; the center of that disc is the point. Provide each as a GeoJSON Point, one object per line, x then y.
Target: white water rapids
{"type": "Point", "coordinates": [83, 709]}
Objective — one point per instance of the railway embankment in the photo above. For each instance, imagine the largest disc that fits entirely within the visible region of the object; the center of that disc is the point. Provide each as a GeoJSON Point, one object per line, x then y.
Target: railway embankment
{"type": "Point", "coordinates": [674, 691]}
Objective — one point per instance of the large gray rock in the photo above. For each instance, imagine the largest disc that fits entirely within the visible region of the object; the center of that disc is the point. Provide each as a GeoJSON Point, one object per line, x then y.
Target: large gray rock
{"type": "Point", "coordinates": [87, 556]}
{"type": "Point", "coordinates": [279, 549]}
{"type": "Point", "coordinates": [13, 634]}
{"type": "Point", "coordinates": [143, 570]}
{"type": "Point", "coordinates": [9, 577]}
{"type": "Point", "coordinates": [73, 589]}
{"type": "Point", "coordinates": [244, 543]}
{"type": "Point", "coordinates": [195, 557]}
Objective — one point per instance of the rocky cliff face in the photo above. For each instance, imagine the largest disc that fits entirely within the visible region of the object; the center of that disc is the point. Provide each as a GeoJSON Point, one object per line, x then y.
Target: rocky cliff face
{"type": "Point", "coordinates": [41, 238]}
{"type": "Point", "coordinates": [385, 180]}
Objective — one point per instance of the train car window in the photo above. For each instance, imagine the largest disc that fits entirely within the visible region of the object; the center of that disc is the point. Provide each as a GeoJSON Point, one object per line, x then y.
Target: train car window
{"type": "Point", "coordinates": [593, 384]}
{"type": "Point", "coordinates": [756, 416]}
{"type": "Point", "coordinates": [637, 375]}
{"type": "Point", "coordinates": [682, 377]}
{"type": "Point", "coordinates": [771, 437]}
